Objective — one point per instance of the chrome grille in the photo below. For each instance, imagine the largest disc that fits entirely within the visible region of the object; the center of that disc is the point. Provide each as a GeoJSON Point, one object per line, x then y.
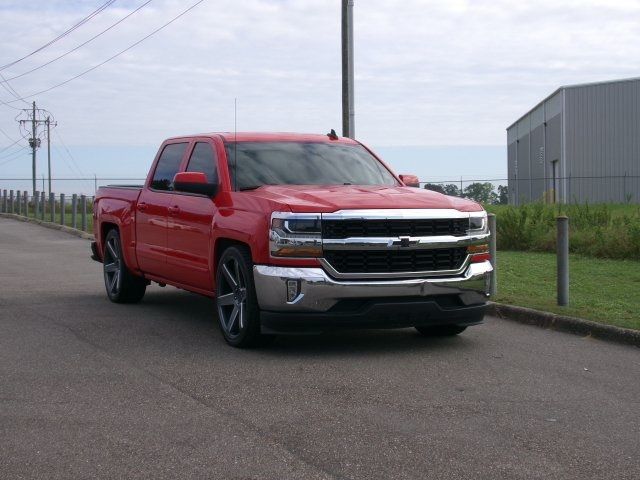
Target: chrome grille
{"type": "Point", "coordinates": [426, 227]}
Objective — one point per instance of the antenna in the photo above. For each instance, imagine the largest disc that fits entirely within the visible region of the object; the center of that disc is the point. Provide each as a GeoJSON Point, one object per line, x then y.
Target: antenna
{"type": "Point", "coordinates": [235, 144]}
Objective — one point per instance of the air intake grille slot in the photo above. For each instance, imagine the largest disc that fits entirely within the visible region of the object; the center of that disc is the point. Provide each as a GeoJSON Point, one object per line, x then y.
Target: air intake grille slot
{"type": "Point", "coordinates": [396, 261]}
{"type": "Point", "coordinates": [428, 227]}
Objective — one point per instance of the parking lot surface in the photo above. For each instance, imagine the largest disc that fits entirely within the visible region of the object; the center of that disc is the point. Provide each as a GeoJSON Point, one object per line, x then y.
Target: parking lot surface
{"type": "Point", "coordinates": [91, 389]}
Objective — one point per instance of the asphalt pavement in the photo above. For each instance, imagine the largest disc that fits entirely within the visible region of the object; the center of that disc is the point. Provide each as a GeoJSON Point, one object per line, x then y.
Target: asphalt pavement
{"type": "Point", "coordinates": [91, 389]}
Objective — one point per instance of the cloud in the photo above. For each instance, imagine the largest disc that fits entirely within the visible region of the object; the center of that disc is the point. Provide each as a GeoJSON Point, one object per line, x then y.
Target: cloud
{"type": "Point", "coordinates": [427, 72]}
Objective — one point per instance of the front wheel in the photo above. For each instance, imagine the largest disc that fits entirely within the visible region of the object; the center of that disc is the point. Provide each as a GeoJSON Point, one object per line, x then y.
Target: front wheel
{"type": "Point", "coordinates": [122, 286]}
{"type": "Point", "coordinates": [238, 313]}
{"type": "Point", "coordinates": [441, 330]}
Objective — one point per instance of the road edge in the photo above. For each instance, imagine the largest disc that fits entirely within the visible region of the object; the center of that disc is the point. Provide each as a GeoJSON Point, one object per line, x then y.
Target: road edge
{"type": "Point", "coordinates": [563, 323]}
{"type": "Point", "coordinates": [53, 226]}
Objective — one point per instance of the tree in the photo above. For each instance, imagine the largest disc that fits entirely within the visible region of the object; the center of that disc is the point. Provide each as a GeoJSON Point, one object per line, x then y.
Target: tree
{"type": "Point", "coordinates": [503, 194]}
{"type": "Point", "coordinates": [452, 189]}
{"type": "Point", "coordinates": [435, 187]}
{"type": "Point", "coordinates": [480, 192]}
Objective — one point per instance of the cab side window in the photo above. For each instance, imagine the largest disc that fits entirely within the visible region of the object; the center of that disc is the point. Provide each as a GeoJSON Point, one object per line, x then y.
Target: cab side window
{"type": "Point", "coordinates": [168, 166]}
{"type": "Point", "coordinates": [203, 159]}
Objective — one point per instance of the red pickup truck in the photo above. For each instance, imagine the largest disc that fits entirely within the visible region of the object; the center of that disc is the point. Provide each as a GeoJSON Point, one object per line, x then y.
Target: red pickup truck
{"type": "Point", "coordinates": [294, 233]}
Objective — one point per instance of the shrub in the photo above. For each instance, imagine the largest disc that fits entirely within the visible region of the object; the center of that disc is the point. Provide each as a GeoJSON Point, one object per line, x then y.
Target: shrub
{"type": "Point", "coordinates": [602, 230]}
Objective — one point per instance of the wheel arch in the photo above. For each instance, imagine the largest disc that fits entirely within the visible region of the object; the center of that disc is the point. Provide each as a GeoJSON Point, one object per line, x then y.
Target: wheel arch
{"type": "Point", "coordinates": [219, 246]}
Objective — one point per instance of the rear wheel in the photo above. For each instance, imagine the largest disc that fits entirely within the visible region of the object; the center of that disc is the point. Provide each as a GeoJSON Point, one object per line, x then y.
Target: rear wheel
{"type": "Point", "coordinates": [122, 286]}
{"type": "Point", "coordinates": [238, 313]}
{"type": "Point", "coordinates": [441, 330]}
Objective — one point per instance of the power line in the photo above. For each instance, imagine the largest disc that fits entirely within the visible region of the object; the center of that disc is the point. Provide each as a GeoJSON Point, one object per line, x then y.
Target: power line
{"type": "Point", "coordinates": [6, 135]}
{"type": "Point", "coordinates": [62, 35]}
{"type": "Point", "coordinates": [9, 146]}
{"type": "Point", "coordinates": [7, 86]}
{"type": "Point", "coordinates": [12, 155]}
{"type": "Point", "coordinates": [184, 12]}
{"type": "Point", "coordinates": [78, 169]}
{"type": "Point", "coordinates": [78, 46]}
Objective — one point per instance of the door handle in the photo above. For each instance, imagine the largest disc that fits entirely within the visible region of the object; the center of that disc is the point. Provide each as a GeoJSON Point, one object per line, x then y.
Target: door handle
{"type": "Point", "coordinates": [174, 210]}
{"type": "Point", "coordinates": [142, 207]}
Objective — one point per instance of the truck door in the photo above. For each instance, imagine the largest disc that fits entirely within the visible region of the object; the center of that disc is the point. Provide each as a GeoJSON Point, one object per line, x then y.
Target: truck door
{"type": "Point", "coordinates": [190, 222]}
{"type": "Point", "coordinates": [152, 210]}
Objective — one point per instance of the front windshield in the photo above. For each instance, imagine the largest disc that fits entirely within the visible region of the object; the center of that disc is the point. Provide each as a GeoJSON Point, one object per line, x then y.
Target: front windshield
{"type": "Point", "coordinates": [304, 163]}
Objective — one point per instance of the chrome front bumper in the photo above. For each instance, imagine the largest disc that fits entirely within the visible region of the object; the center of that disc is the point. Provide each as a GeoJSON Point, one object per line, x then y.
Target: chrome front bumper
{"type": "Point", "coordinates": [318, 292]}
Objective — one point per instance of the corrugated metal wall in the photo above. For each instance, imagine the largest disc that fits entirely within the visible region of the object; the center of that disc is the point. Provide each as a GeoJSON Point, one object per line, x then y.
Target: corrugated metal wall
{"type": "Point", "coordinates": [603, 142]}
{"type": "Point", "coordinates": [531, 147]}
{"type": "Point", "coordinates": [602, 146]}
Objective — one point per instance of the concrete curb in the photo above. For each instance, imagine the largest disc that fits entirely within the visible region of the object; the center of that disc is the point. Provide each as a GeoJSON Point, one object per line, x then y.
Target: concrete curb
{"type": "Point", "coordinates": [564, 323]}
{"type": "Point", "coordinates": [53, 226]}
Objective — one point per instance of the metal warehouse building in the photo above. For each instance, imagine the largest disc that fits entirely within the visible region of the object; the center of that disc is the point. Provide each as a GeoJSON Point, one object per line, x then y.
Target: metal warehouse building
{"type": "Point", "coordinates": [580, 144]}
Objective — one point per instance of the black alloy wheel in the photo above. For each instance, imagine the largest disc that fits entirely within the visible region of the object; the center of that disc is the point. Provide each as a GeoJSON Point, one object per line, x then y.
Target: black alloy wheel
{"type": "Point", "coordinates": [238, 313]}
{"type": "Point", "coordinates": [121, 285]}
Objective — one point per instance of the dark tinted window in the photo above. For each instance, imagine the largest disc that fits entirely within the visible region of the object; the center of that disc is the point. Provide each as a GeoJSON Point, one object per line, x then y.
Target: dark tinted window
{"type": "Point", "coordinates": [298, 163]}
{"type": "Point", "coordinates": [203, 160]}
{"type": "Point", "coordinates": [168, 166]}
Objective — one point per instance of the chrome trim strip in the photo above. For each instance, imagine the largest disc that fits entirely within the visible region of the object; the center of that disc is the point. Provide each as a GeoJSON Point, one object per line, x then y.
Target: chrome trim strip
{"type": "Point", "coordinates": [394, 243]}
{"type": "Point", "coordinates": [424, 274]}
{"type": "Point", "coordinates": [397, 214]}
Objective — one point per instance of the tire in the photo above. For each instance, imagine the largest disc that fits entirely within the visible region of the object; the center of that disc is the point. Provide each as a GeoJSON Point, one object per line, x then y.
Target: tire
{"type": "Point", "coordinates": [122, 286]}
{"type": "Point", "coordinates": [441, 330]}
{"type": "Point", "coordinates": [236, 301]}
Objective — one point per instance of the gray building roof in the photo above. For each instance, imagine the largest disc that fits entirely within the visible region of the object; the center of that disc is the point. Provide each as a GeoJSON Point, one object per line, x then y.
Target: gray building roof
{"type": "Point", "coordinates": [565, 87]}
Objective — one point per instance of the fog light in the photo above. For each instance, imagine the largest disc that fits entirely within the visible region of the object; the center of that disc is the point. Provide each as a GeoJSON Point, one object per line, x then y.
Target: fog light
{"type": "Point", "coordinates": [293, 290]}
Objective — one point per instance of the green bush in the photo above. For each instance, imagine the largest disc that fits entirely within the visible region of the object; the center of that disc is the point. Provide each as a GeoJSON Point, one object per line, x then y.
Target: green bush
{"type": "Point", "coordinates": [602, 230]}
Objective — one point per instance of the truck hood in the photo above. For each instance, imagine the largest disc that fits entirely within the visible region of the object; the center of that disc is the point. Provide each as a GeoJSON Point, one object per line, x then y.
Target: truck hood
{"type": "Point", "coordinates": [330, 198]}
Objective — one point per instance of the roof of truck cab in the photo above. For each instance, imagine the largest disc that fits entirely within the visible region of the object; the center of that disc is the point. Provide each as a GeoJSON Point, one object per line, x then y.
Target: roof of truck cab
{"type": "Point", "coordinates": [270, 137]}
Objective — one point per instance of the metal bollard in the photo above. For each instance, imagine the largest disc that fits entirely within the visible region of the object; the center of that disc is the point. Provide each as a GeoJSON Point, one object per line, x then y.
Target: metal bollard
{"type": "Point", "coordinates": [83, 212]}
{"type": "Point", "coordinates": [63, 208]}
{"type": "Point", "coordinates": [43, 205]}
{"type": "Point", "coordinates": [4, 201]}
{"type": "Point", "coordinates": [563, 260]}
{"type": "Point", "coordinates": [19, 201]}
{"type": "Point", "coordinates": [74, 210]}
{"type": "Point", "coordinates": [493, 251]}
{"type": "Point", "coordinates": [52, 207]}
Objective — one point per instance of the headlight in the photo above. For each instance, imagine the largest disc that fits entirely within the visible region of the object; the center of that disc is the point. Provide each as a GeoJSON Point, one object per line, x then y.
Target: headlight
{"type": "Point", "coordinates": [478, 223]}
{"type": "Point", "coordinates": [295, 235]}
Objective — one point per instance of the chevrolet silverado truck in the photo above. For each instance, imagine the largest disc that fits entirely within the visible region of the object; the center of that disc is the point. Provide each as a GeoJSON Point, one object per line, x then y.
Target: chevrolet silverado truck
{"type": "Point", "coordinates": [294, 233]}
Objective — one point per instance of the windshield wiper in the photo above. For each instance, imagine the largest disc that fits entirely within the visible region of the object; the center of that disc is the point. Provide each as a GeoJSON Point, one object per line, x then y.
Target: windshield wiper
{"type": "Point", "coordinates": [250, 187]}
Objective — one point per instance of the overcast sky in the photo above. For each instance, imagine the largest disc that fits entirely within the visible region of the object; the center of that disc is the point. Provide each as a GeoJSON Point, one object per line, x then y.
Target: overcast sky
{"type": "Point", "coordinates": [428, 73]}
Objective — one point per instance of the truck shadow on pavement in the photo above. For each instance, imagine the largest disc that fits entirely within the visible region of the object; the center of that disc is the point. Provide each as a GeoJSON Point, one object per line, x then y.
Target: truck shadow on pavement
{"type": "Point", "coordinates": [197, 312]}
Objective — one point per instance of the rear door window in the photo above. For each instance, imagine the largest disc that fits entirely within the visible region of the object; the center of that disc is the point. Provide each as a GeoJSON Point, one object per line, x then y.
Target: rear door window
{"type": "Point", "coordinates": [168, 166]}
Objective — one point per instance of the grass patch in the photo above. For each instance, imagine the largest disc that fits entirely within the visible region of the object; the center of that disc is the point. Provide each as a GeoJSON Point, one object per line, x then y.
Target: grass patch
{"type": "Point", "coordinates": [603, 290]}
{"type": "Point", "coordinates": [602, 230]}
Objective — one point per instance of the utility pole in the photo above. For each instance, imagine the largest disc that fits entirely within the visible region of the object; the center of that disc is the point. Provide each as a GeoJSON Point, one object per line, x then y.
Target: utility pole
{"type": "Point", "coordinates": [348, 110]}
{"type": "Point", "coordinates": [33, 147]}
{"type": "Point", "coordinates": [48, 122]}
{"type": "Point", "coordinates": [30, 132]}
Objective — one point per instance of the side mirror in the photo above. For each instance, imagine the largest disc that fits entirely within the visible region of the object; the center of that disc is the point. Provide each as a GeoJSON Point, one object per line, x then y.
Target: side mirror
{"type": "Point", "coordinates": [410, 180]}
{"type": "Point", "coordinates": [194, 182]}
